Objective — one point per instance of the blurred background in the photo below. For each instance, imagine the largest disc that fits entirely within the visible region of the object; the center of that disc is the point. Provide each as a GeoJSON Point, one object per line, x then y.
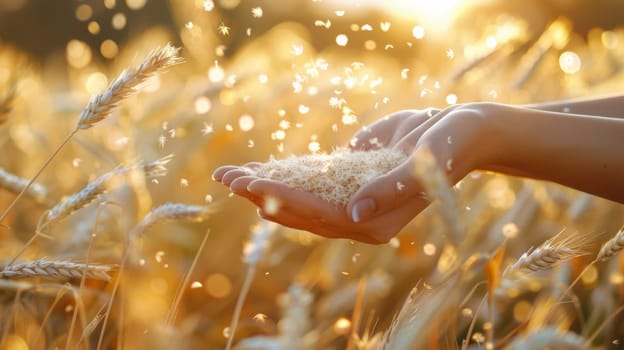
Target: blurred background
{"type": "Point", "coordinates": [279, 78]}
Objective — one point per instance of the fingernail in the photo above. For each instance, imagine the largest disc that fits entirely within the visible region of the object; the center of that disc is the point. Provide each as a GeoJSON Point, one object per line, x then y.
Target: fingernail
{"type": "Point", "coordinates": [362, 210]}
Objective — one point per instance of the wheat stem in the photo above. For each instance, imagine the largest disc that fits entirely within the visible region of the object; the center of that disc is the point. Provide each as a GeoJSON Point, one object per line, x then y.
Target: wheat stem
{"type": "Point", "coordinates": [84, 274]}
{"type": "Point", "coordinates": [251, 271]}
{"type": "Point", "coordinates": [603, 325]}
{"type": "Point", "coordinates": [109, 305]}
{"type": "Point", "coordinates": [176, 302]}
{"type": "Point", "coordinates": [32, 179]}
{"type": "Point", "coordinates": [58, 297]}
{"type": "Point", "coordinates": [466, 340]}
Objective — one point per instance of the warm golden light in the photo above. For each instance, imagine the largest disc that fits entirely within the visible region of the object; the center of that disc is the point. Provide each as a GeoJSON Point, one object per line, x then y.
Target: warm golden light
{"type": "Point", "coordinates": [433, 16]}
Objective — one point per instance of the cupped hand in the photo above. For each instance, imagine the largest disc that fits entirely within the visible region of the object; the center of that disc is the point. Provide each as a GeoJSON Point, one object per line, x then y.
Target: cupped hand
{"type": "Point", "coordinates": [381, 208]}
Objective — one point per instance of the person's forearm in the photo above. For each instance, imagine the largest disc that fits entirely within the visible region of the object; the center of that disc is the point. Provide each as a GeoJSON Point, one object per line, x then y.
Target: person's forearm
{"type": "Point", "coordinates": [579, 151]}
{"type": "Point", "coordinates": [611, 106]}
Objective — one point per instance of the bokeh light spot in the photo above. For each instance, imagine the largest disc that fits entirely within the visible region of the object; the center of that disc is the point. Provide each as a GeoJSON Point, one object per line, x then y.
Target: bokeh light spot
{"type": "Point", "coordinates": [202, 105]}
{"type": "Point", "coordinates": [342, 40]}
{"type": "Point", "coordinates": [119, 21]}
{"type": "Point", "coordinates": [84, 12]}
{"type": "Point", "coordinates": [96, 82]}
{"type": "Point", "coordinates": [136, 4]}
{"type": "Point", "coordinates": [246, 122]}
{"type": "Point", "coordinates": [418, 32]}
{"type": "Point", "coordinates": [109, 49]}
{"type": "Point", "coordinates": [229, 4]}
{"type": "Point", "coordinates": [218, 285]}
{"type": "Point", "coordinates": [78, 53]}
{"type": "Point", "coordinates": [451, 99]}
{"type": "Point", "coordinates": [93, 27]}
{"type": "Point", "coordinates": [429, 249]}
{"type": "Point", "coordinates": [521, 310]}
{"type": "Point", "coordinates": [570, 62]}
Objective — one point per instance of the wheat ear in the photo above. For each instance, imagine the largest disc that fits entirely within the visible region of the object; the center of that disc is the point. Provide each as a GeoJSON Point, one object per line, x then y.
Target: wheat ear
{"type": "Point", "coordinates": [87, 195]}
{"type": "Point", "coordinates": [295, 322]}
{"type": "Point", "coordinates": [78, 200]}
{"type": "Point", "coordinates": [16, 184]}
{"type": "Point", "coordinates": [57, 269]}
{"type": "Point", "coordinates": [608, 250]}
{"type": "Point", "coordinates": [612, 247]}
{"type": "Point", "coordinates": [551, 253]}
{"type": "Point", "coordinates": [172, 212]}
{"type": "Point", "coordinates": [101, 105]}
{"type": "Point", "coordinates": [96, 188]}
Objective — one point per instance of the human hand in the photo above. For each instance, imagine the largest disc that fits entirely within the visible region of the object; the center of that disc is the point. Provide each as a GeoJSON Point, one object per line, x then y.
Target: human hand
{"type": "Point", "coordinates": [381, 208]}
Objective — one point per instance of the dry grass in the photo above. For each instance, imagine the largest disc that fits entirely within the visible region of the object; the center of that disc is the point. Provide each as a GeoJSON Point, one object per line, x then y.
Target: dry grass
{"type": "Point", "coordinates": [273, 93]}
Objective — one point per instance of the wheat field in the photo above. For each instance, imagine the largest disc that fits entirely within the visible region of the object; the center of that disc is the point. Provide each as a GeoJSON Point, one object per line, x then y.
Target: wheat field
{"type": "Point", "coordinates": [116, 237]}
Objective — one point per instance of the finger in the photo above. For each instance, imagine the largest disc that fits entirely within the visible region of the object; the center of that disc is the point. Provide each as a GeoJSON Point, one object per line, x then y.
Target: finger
{"type": "Point", "coordinates": [233, 175]}
{"type": "Point", "coordinates": [407, 126]}
{"type": "Point", "coordinates": [252, 165]}
{"type": "Point", "coordinates": [408, 142]}
{"type": "Point", "coordinates": [301, 203]}
{"type": "Point", "coordinates": [217, 175]}
{"type": "Point", "coordinates": [381, 129]}
{"type": "Point", "coordinates": [385, 193]}
{"type": "Point", "coordinates": [239, 185]}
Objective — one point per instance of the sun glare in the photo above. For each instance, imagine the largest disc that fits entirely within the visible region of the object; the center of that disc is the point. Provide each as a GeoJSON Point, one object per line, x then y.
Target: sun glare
{"type": "Point", "coordinates": [434, 16]}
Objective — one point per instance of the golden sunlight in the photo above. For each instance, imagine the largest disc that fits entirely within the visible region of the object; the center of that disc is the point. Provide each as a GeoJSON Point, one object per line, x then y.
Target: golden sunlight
{"type": "Point", "coordinates": [435, 16]}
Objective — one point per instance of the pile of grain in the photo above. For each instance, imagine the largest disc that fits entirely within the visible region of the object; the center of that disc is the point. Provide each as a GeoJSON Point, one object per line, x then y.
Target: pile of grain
{"type": "Point", "coordinates": [334, 177]}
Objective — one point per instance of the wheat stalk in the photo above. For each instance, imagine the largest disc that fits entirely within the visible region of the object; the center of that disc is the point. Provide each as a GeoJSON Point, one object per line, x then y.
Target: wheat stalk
{"type": "Point", "coordinates": [294, 328]}
{"type": "Point", "coordinates": [165, 213]}
{"type": "Point", "coordinates": [185, 281]}
{"type": "Point", "coordinates": [57, 269]}
{"type": "Point", "coordinates": [252, 252]}
{"type": "Point", "coordinates": [427, 170]}
{"type": "Point", "coordinates": [101, 105]}
{"type": "Point", "coordinates": [16, 184]}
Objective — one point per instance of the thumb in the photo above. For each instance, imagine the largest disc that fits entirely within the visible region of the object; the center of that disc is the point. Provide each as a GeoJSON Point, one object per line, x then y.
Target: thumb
{"type": "Point", "coordinates": [385, 193]}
